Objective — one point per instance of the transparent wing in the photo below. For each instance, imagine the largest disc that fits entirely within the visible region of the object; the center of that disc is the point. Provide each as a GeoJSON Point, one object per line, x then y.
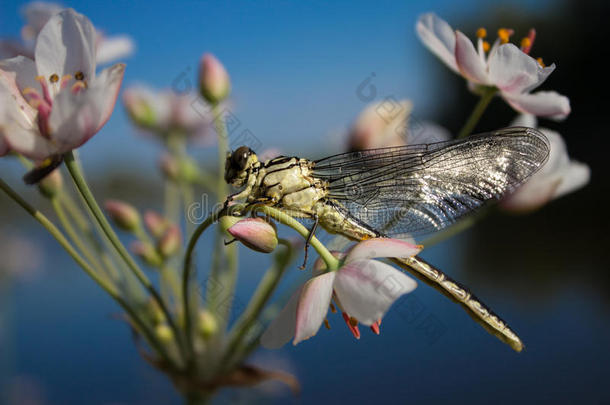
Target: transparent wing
{"type": "Point", "coordinates": [419, 189]}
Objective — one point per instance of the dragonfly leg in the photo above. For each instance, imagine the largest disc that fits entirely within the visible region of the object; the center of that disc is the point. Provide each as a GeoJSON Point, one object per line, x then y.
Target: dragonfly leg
{"type": "Point", "coordinates": [311, 234]}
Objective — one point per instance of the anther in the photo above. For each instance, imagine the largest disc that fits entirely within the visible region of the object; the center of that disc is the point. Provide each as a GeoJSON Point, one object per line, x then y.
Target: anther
{"type": "Point", "coordinates": [327, 324]}
{"type": "Point", "coordinates": [486, 46]}
{"type": "Point", "coordinates": [54, 78]}
{"type": "Point", "coordinates": [540, 62]}
{"type": "Point", "coordinates": [525, 43]}
{"type": "Point", "coordinates": [332, 308]}
{"type": "Point", "coordinates": [79, 75]}
{"type": "Point", "coordinates": [481, 33]}
{"type": "Point", "coordinates": [504, 34]}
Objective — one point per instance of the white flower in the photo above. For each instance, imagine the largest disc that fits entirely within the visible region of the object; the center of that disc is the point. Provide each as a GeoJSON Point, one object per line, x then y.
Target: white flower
{"type": "Point", "coordinates": [56, 103]}
{"type": "Point", "coordinates": [37, 13]}
{"type": "Point", "coordinates": [364, 289]}
{"type": "Point", "coordinates": [559, 176]}
{"type": "Point", "coordinates": [504, 66]}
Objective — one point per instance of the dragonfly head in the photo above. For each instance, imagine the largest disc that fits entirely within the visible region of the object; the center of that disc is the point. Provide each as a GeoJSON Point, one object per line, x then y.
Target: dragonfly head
{"type": "Point", "coordinates": [238, 165]}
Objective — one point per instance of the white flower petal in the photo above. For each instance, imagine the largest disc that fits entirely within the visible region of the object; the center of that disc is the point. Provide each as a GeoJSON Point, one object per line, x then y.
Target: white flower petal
{"type": "Point", "coordinates": [575, 176]}
{"type": "Point", "coordinates": [28, 142]}
{"type": "Point", "coordinates": [281, 330]}
{"type": "Point", "coordinates": [66, 45]}
{"type": "Point", "coordinates": [547, 104]}
{"type": "Point", "coordinates": [367, 288]}
{"type": "Point", "coordinates": [468, 60]}
{"type": "Point", "coordinates": [313, 306]}
{"type": "Point", "coordinates": [16, 74]}
{"type": "Point", "coordinates": [438, 37]}
{"type": "Point", "coordinates": [75, 118]}
{"type": "Point", "coordinates": [513, 71]}
{"type": "Point", "coordinates": [382, 247]}
{"type": "Point", "coordinates": [113, 48]}
{"type": "Point", "coordinates": [525, 120]}
{"type": "Point", "coordinates": [557, 177]}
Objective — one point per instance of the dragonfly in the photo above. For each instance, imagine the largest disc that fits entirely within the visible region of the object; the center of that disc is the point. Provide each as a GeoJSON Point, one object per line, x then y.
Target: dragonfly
{"type": "Point", "coordinates": [400, 192]}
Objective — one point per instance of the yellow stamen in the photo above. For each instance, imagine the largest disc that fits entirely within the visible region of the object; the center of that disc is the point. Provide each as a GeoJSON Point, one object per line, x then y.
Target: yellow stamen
{"type": "Point", "coordinates": [28, 90]}
{"type": "Point", "coordinates": [54, 78]}
{"type": "Point", "coordinates": [481, 33]}
{"type": "Point", "coordinates": [526, 42]}
{"type": "Point", "coordinates": [504, 35]}
{"type": "Point", "coordinates": [353, 321]}
{"type": "Point", "coordinates": [327, 324]}
{"type": "Point", "coordinates": [486, 46]}
{"type": "Point", "coordinates": [332, 308]}
{"type": "Point", "coordinates": [79, 75]}
{"type": "Point", "coordinates": [39, 78]}
{"type": "Point", "coordinates": [540, 62]}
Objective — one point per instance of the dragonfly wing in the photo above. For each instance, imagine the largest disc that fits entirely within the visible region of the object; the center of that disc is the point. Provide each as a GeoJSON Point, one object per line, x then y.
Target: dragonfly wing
{"type": "Point", "coordinates": [418, 189]}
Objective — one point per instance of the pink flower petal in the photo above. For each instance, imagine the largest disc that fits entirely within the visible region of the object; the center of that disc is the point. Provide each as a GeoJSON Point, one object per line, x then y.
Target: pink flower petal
{"type": "Point", "coordinates": [382, 247]}
{"type": "Point", "coordinates": [438, 37]}
{"type": "Point", "coordinates": [513, 71]}
{"type": "Point", "coordinates": [367, 288]}
{"type": "Point", "coordinates": [313, 306]}
{"type": "Point", "coordinates": [468, 60]}
{"type": "Point", "coordinates": [255, 233]}
{"type": "Point", "coordinates": [16, 75]}
{"type": "Point", "coordinates": [542, 104]}
{"type": "Point", "coordinates": [281, 330]}
{"type": "Point", "coordinates": [76, 117]}
{"type": "Point", "coordinates": [66, 45]}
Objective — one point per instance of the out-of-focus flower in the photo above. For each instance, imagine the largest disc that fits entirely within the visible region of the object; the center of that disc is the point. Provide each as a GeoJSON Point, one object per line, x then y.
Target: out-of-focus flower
{"type": "Point", "coordinates": [165, 112]}
{"type": "Point", "coordinates": [124, 215]}
{"type": "Point", "coordinates": [146, 252]}
{"type": "Point", "coordinates": [380, 124]}
{"type": "Point", "coordinates": [57, 103]}
{"type": "Point", "coordinates": [363, 289]}
{"type": "Point", "coordinates": [170, 242]}
{"type": "Point", "coordinates": [208, 325]}
{"type": "Point", "coordinates": [21, 257]}
{"type": "Point", "coordinates": [559, 176]}
{"type": "Point", "coordinates": [38, 13]}
{"type": "Point", "coordinates": [51, 184]}
{"type": "Point", "coordinates": [214, 82]}
{"type": "Point", "coordinates": [504, 66]}
{"type": "Point", "coordinates": [155, 223]}
{"type": "Point", "coordinates": [255, 233]}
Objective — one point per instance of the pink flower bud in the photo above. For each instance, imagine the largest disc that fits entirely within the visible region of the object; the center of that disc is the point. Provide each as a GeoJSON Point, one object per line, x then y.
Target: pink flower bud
{"type": "Point", "coordinates": [169, 167]}
{"type": "Point", "coordinates": [214, 82]}
{"type": "Point", "coordinates": [140, 108]}
{"type": "Point", "coordinates": [255, 233]}
{"type": "Point", "coordinates": [51, 184]}
{"type": "Point", "coordinates": [155, 223]}
{"type": "Point", "coordinates": [380, 125]}
{"type": "Point", "coordinates": [124, 215]}
{"type": "Point", "coordinates": [170, 243]}
{"type": "Point", "coordinates": [146, 252]}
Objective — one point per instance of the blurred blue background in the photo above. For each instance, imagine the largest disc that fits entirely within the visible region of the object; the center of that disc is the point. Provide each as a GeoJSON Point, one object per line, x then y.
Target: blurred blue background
{"type": "Point", "coordinates": [295, 69]}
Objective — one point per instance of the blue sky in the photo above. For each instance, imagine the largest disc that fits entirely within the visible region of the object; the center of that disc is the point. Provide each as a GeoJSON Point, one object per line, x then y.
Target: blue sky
{"type": "Point", "coordinates": [295, 66]}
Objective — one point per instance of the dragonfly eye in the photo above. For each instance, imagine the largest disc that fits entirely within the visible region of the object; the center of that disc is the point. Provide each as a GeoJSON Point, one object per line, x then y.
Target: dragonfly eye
{"type": "Point", "coordinates": [239, 159]}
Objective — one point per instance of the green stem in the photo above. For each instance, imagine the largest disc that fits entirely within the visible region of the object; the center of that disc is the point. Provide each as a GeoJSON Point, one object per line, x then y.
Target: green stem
{"type": "Point", "coordinates": [107, 287]}
{"type": "Point", "coordinates": [486, 97]}
{"type": "Point", "coordinates": [258, 301]}
{"type": "Point", "coordinates": [78, 242]}
{"type": "Point", "coordinates": [91, 202]}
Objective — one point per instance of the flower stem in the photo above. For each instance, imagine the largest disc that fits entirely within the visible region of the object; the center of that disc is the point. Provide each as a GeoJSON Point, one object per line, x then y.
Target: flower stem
{"type": "Point", "coordinates": [258, 301]}
{"type": "Point", "coordinates": [107, 287]}
{"type": "Point", "coordinates": [479, 109]}
{"type": "Point", "coordinates": [93, 206]}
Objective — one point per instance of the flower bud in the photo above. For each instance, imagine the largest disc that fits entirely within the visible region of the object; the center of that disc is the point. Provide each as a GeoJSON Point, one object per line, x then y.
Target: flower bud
{"type": "Point", "coordinates": [124, 215]}
{"type": "Point", "coordinates": [214, 82]}
{"type": "Point", "coordinates": [169, 167]}
{"type": "Point", "coordinates": [51, 184]}
{"type": "Point", "coordinates": [147, 253]}
{"type": "Point", "coordinates": [226, 222]}
{"type": "Point", "coordinates": [380, 124]}
{"type": "Point", "coordinates": [164, 333]}
{"type": "Point", "coordinates": [139, 107]}
{"type": "Point", "coordinates": [255, 233]}
{"type": "Point", "coordinates": [155, 223]}
{"type": "Point", "coordinates": [207, 324]}
{"type": "Point", "coordinates": [170, 243]}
